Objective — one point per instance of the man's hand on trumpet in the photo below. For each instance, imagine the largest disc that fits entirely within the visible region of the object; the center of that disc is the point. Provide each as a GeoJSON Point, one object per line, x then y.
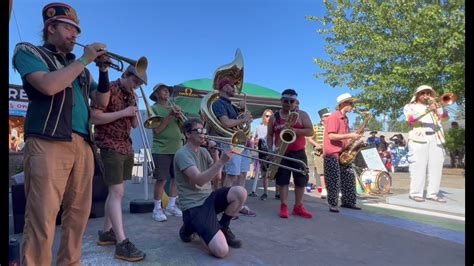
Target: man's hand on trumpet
{"type": "Point", "coordinates": [103, 62]}
{"type": "Point", "coordinates": [93, 51]}
{"type": "Point", "coordinates": [176, 110]}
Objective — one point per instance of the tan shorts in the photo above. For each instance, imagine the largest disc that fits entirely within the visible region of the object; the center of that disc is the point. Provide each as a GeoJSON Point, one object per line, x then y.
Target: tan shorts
{"type": "Point", "coordinates": [318, 162]}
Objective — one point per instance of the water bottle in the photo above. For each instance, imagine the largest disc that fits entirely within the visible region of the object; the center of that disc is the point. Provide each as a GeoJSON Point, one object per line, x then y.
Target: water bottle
{"type": "Point", "coordinates": [308, 187]}
{"type": "Point", "coordinates": [14, 252]}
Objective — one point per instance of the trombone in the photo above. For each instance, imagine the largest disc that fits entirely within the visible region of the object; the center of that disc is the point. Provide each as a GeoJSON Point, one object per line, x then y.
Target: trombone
{"type": "Point", "coordinates": [446, 99]}
{"type": "Point", "coordinates": [146, 144]}
{"type": "Point", "coordinates": [238, 139]}
{"type": "Point", "coordinates": [153, 120]}
{"type": "Point", "coordinates": [140, 65]}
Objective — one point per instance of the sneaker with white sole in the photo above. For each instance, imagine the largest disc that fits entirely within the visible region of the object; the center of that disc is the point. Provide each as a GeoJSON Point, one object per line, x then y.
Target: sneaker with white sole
{"type": "Point", "coordinates": [324, 194]}
{"type": "Point", "coordinates": [159, 215]}
{"type": "Point", "coordinates": [175, 211]}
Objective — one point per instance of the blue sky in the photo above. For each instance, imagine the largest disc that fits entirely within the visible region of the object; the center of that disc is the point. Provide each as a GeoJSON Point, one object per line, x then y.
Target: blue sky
{"type": "Point", "coordinates": [185, 40]}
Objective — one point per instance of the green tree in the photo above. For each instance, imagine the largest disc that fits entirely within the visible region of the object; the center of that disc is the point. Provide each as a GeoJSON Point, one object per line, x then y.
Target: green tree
{"type": "Point", "coordinates": [455, 139]}
{"type": "Point", "coordinates": [373, 124]}
{"type": "Point", "coordinates": [398, 126]}
{"type": "Point", "coordinates": [389, 48]}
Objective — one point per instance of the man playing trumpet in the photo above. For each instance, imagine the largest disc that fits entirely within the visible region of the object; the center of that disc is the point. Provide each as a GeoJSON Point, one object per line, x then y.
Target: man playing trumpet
{"type": "Point", "coordinates": [167, 139]}
{"type": "Point", "coordinates": [58, 135]}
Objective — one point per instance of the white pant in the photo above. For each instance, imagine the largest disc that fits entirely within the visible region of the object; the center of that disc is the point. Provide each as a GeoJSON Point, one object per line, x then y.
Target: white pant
{"type": "Point", "coordinates": [426, 159]}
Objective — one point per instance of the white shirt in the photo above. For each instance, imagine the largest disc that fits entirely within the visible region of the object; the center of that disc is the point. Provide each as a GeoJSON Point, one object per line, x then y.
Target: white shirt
{"type": "Point", "coordinates": [261, 131]}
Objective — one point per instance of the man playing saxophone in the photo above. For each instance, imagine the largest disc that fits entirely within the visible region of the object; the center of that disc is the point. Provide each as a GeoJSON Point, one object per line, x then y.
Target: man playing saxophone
{"type": "Point", "coordinates": [167, 139]}
{"type": "Point", "coordinates": [302, 127]}
{"type": "Point", "coordinates": [339, 177]}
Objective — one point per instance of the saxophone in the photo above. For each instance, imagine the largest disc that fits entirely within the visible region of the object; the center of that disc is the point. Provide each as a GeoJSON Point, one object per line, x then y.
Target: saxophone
{"type": "Point", "coordinates": [350, 152]}
{"type": "Point", "coordinates": [287, 136]}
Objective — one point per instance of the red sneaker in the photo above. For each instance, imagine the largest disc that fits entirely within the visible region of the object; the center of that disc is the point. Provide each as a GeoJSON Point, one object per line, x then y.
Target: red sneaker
{"type": "Point", "coordinates": [301, 211]}
{"type": "Point", "coordinates": [284, 210]}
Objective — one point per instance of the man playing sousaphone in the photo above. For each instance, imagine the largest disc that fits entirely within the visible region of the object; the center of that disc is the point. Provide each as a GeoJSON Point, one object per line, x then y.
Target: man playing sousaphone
{"type": "Point", "coordinates": [302, 128]}
{"type": "Point", "coordinates": [167, 139]}
{"type": "Point", "coordinates": [228, 114]}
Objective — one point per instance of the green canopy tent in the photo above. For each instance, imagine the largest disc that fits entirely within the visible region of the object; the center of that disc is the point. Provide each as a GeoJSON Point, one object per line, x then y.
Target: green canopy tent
{"type": "Point", "coordinates": [188, 96]}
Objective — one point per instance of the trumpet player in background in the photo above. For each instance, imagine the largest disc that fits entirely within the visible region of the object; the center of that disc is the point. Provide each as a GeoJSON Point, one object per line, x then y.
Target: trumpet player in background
{"type": "Point", "coordinates": [58, 143]}
{"type": "Point", "coordinates": [425, 144]}
{"type": "Point", "coordinates": [302, 128]}
{"type": "Point", "coordinates": [167, 139]}
{"type": "Point", "coordinates": [317, 150]}
{"type": "Point", "coordinates": [113, 126]}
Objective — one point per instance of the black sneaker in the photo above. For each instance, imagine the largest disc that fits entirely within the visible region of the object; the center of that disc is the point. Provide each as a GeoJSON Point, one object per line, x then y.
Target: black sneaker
{"type": "Point", "coordinates": [185, 236]}
{"type": "Point", "coordinates": [106, 238]}
{"type": "Point", "coordinates": [277, 196]}
{"type": "Point", "coordinates": [232, 241]}
{"type": "Point", "coordinates": [126, 250]}
{"type": "Point", "coordinates": [264, 196]}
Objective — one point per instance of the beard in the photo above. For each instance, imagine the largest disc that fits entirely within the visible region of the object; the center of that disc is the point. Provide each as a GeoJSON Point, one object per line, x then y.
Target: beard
{"type": "Point", "coordinates": [65, 46]}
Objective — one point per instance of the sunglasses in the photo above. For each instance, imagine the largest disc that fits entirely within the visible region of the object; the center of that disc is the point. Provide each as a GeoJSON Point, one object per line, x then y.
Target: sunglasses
{"type": "Point", "coordinates": [268, 115]}
{"type": "Point", "coordinates": [289, 101]}
{"type": "Point", "coordinates": [199, 130]}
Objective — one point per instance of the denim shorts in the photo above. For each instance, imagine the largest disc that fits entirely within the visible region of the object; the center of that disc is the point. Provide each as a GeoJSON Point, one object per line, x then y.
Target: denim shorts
{"type": "Point", "coordinates": [238, 164]}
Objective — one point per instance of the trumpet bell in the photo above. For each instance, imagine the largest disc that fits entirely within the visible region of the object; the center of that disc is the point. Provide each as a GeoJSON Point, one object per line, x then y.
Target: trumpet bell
{"type": "Point", "coordinates": [448, 98]}
{"type": "Point", "coordinates": [152, 122]}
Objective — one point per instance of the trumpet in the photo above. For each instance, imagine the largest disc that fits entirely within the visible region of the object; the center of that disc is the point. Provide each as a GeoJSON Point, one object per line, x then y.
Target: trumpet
{"type": "Point", "coordinates": [181, 116]}
{"type": "Point", "coordinates": [238, 140]}
{"type": "Point", "coordinates": [140, 65]}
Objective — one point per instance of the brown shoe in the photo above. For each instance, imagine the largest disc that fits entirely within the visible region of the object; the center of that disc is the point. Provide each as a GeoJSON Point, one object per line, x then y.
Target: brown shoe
{"type": "Point", "coordinates": [416, 198]}
{"type": "Point", "coordinates": [437, 199]}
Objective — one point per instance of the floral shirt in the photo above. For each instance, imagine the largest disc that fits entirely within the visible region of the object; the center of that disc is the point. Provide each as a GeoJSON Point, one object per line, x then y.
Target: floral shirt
{"type": "Point", "coordinates": [116, 134]}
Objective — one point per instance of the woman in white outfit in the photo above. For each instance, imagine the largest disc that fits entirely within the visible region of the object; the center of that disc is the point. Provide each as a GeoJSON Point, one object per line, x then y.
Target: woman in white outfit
{"type": "Point", "coordinates": [425, 144]}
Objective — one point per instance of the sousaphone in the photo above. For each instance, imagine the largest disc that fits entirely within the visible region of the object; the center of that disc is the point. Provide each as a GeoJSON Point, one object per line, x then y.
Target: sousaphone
{"type": "Point", "coordinates": [235, 72]}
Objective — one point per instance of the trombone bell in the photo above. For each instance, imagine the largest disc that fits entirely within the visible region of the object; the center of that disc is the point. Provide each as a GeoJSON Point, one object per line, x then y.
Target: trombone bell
{"type": "Point", "coordinates": [141, 65]}
{"type": "Point", "coordinates": [152, 122]}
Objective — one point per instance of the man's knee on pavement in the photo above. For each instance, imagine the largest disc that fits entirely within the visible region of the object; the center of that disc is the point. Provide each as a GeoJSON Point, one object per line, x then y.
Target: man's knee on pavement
{"type": "Point", "coordinates": [218, 245]}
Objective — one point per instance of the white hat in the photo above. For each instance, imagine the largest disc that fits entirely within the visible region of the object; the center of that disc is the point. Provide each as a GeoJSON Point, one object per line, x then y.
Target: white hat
{"type": "Point", "coordinates": [421, 88]}
{"type": "Point", "coordinates": [345, 97]}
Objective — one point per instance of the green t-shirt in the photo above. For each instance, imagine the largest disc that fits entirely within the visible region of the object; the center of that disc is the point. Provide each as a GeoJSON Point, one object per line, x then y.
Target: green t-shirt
{"type": "Point", "coordinates": [191, 195]}
{"type": "Point", "coordinates": [170, 139]}
{"type": "Point", "coordinates": [28, 63]}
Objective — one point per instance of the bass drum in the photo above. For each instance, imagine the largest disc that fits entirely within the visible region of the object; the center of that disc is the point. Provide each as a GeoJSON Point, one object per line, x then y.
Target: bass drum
{"type": "Point", "coordinates": [374, 182]}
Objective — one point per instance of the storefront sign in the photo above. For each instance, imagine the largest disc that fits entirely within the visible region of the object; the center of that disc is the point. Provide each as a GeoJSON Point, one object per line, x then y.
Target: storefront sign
{"type": "Point", "coordinates": [18, 100]}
